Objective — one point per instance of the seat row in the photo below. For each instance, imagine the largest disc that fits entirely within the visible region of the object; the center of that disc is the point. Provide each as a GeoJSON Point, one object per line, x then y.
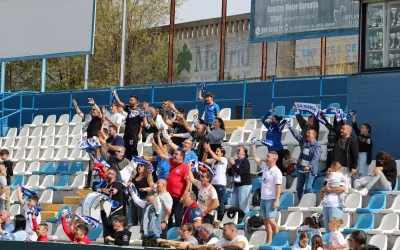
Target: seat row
{"type": "Point", "coordinates": [63, 153]}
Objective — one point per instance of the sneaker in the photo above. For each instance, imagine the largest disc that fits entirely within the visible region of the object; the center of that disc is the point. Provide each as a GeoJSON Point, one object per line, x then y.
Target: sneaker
{"type": "Point", "coordinates": [363, 192]}
{"type": "Point", "coordinates": [352, 190]}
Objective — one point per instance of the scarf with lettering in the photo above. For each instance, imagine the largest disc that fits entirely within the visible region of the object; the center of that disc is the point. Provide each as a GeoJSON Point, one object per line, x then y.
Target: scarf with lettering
{"type": "Point", "coordinates": [310, 108]}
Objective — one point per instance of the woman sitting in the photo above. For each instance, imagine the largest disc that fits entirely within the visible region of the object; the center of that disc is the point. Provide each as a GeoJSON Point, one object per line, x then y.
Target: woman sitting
{"type": "Point", "coordinates": [19, 233]}
{"type": "Point", "coordinates": [383, 179]}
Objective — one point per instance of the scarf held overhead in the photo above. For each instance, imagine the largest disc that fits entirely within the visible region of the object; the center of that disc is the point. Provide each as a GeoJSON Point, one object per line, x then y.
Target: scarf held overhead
{"type": "Point", "coordinates": [309, 108]}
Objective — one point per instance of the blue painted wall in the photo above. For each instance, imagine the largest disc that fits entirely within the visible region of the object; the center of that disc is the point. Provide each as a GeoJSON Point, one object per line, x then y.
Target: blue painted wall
{"type": "Point", "coordinates": [377, 101]}
{"type": "Point", "coordinates": [228, 94]}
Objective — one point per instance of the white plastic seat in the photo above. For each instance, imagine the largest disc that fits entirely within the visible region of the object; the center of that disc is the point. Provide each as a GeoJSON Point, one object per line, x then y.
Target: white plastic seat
{"type": "Point", "coordinates": [19, 168]}
{"type": "Point", "coordinates": [315, 209]}
{"type": "Point", "coordinates": [346, 223]}
{"type": "Point", "coordinates": [308, 200]}
{"type": "Point", "coordinates": [35, 142]}
{"type": "Point", "coordinates": [135, 233]}
{"type": "Point", "coordinates": [22, 142]}
{"type": "Point", "coordinates": [261, 152]}
{"type": "Point", "coordinates": [33, 182]}
{"type": "Point", "coordinates": [292, 188]}
{"type": "Point", "coordinates": [62, 142]}
{"type": "Point", "coordinates": [225, 114]}
{"type": "Point", "coordinates": [48, 142]}
{"type": "Point", "coordinates": [257, 238]}
{"type": "Point", "coordinates": [50, 131]}
{"type": "Point", "coordinates": [323, 137]}
{"type": "Point", "coordinates": [9, 142]}
{"type": "Point", "coordinates": [249, 125]}
{"type": "Point", "coordinates": [46, 197]}
{"type": "Point", "coordinates": [191, 114]}
{"type": "Point", "coordinates": [226, 219]}
{"type": "Point", "coordinates": [37, 132]}
{"type": "Point", "coordinates": [255, 133]}
{"type": "Point", "coordinates": [59, 235]}
{"type": "Point", "coordinates": [236, 137]}
{"type": "Point", "coordinates": [33, 154]}
{"type": "Point", "coordinates": [24, 132]}
{"type": "Point", "coordinates": [218, 233]}
{"type": "Point", "coordinates": [11, 133]}
{"type": "Point", "coordinates": [75, 155]}
{"type": "Point", "coordinates": [296, 153]}
{"type": "Point", "coordinates": [228, 151]}
{"type": "Point", "coordinates": [34, 166]}
{"type": "Point", "coordinates": [253, 167]}
{"type": "Point", "coordinates": [13, 196]}
{"type": "Point", "coordinates": [47, 181]}
{"type": "Point", "coordinates": [396, 245]}
{"type": "Point", "coordinates": [380, 241]}
{"type": "Point", "coordinates": [64, 130]}
{"type": "Point", "coordinates": [37, 121]}
{"type": "Point", "coordinates": [75, 140]}
{"type": "Point", "coordinates": [14, 210]}
{"type": "Point", "coordinates": [47, 155]}
{"type": "Point", "coordinates": [147, 143]}
{"type": "Point", "coordinates": [76, 119]}
{"type": "Point", "coordinates": [289, 139]}
{"type": "Point", "coordinates": [293, 221]}
{"type": "Point", "coordinates": [79, 182]}
{"type": "Point", "coordinates": [389, 223]}
{"type": "Point", "coordinates": [50, 120]}
{"type": "Point", "coordinates": [64, 119]}
{"type": "Point", "coordinates": [324, 153]}
{"type": "Point", "coordinates": [77, 130]}
{"type": "Point", "coordinates": [19, 155]}
{"type": "Point", "coordinates": [395, 208]}
{"type": "Point", "coordinates": [62, 154]}
{"type": "Point", "coordinates": [352, 202]}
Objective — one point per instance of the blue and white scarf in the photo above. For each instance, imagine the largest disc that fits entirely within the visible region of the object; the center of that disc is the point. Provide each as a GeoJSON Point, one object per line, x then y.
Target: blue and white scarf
{"type": "Point", "coordinates": [196, 164]}
{"type": "Point", "coordinates": [140, 161]}
{"type": "Point", "coordinates": [112, 97]}
{"type": "Point", "coordinates": [114, 204]}
{"type": "Point", "coordinates": [89, 145]}
{"type": "Point", "coordinates": [87, 219]}
{"type": "Point", "coordinates": [309, 108]}
{"type": "Point", "coordinates": [203, 86]}
{"type": "Point", "coordinates": [267, 143]}
{"type": "Point", "coordinates": [28, 192]}
{"type": "Point", "coordinates": [99, 159]}
{"type": "Point", "coordinates": [34, 211]}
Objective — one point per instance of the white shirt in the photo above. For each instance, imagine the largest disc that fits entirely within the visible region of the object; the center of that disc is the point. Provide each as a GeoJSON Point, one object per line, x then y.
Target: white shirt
{"type": "Point", "coordinates": [117, 119]}
{"type": "Point", "coordinates": [29, 223]}
{"type": "Point", "coordinates": [237, 239]}
{"type": "Point", "coordinates": [335, 180]}
{"type": "Point", "coordinates": [220, 171]}
{"type": "Point", "coordinates": [297, 247]}
{"type": "Point", "coordinates": [166, 203]}
{"type": "Point", "coordinates": [270, 178]}
{"type": "Point", "coordinates": [337, 238]}
{"type": "Point", "coordinates": [206, 195]}
{"type": "Point", "coordinates": [333, 199]}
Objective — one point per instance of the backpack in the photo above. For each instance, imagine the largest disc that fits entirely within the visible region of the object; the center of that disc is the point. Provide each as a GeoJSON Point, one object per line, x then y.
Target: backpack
{"type": "Point", "coordinates": [232, 211]}
{"type": "Point", "coordinates": [255, 221]}
{"type": "Point", "coordinates": [256, 198]}
{"type": "Point", "coordinates": [318, 219]}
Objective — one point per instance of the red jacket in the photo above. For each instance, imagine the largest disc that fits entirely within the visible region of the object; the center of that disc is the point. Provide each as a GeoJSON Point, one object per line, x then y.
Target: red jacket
{"type": "Point", "coordinates": [42, 238]}
{"type": "Point", "coordinates": [191, 213]}
{"type": "Point", "coordinates": [99, 168]}
{"type": "Point", "coordinates": [71, 235]}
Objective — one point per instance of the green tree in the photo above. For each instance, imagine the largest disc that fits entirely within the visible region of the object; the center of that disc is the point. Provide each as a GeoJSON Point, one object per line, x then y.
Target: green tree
{"type": "Point", "coordinates": [146, 57]}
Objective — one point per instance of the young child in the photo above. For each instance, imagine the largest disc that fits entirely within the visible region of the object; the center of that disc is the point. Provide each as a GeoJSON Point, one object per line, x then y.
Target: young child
{"type": "Point", "coordinates": [336, 241]}
{"type": "Point", "coordinates": [335, 179]}
{"type": "Point", "coordinates": [303, 242]}
{"type": "Point", "coordinates": [41, 230]}
{"type": "Point", "coordinates": [28, 207]}
{"type": "Point", "coordinates": [9, 168]}
{"type": "Point", "coordinates": [288, 162]}
{"type": "Point", "coordinates": [211, 108]}
{"type": "Point", "coordinates": [309, 226]}
{"type": "Point", "coordinates": [79, 235]}
{"type": "Point", "coordinates": [317, 243]}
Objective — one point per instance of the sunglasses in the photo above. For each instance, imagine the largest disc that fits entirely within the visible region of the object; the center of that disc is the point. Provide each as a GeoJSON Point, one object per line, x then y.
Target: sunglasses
{"type": "Point", "coordinates": [203, 176]}
{"type": "Point", "coordinates": [119, 151]}
{"type": "Point", "coordinates": [93, 110]}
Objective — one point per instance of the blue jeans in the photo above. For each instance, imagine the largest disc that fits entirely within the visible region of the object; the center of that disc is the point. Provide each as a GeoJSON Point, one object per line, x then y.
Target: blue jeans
{"type": "Point", "coordinates": [221, 190]}
{"type": "Point", "coordinates": [329, 213]}
{"type": "Point", "coordinates": [240, 197]}
{"type": "Point", "coordinates": [304, 182]}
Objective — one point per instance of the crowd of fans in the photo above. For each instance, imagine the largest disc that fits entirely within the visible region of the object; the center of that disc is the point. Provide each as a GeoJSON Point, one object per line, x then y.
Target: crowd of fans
{"type": "Point", "coordinates": [186, 179]}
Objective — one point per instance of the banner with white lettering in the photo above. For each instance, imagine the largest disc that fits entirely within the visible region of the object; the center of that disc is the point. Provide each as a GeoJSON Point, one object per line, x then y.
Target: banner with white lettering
{"type": "Point", "coordinates": [280, 20]}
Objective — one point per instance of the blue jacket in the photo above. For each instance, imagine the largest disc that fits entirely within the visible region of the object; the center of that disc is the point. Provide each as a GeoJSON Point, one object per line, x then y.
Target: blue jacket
{"type": "Point", "coordinates": [274, 133]}
{"type": "Point", "coordinates": [314, 151]}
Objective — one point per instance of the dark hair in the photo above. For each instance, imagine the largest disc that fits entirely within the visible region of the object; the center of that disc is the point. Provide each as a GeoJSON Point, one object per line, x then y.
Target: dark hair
{"type": "Point", "coordinates": [246, 152]}
{"type": "Point", "coordinates": [121, 219]}
{"type": "Point", "coordinates": [303, 235]}
{"type": "Point", "coordinates": [4, 152]}
{"type": "Point", "coordinates": [359, 237]}
{"type": "Point", "coordinates": [209, 175]}
{"type": "Point", "coordinates": [368, 127]}
{"type": "Point", "coordinates": [34, 198]}
{"type": "Point", "coordinates": [310, 222]}
{"type": "Point", "coordinates": [286, 152]}
{"type": "Point", "coordinates": [316, 242]}
{"type": "Point", "coordinates": [181, 151]}
{"type": "Point", "coordinates": [223, 151]}
{"type": "Point", "coordinates": [83, 227]}
{"type": "Point", "coordinates": [222, 126]}
{"type": "Point", "coordinates": [105, 130]}
{"type": "Point", "coordinates": [166, 100]}
{"type": "Point", "coordinates": [382, 155]}
{"type": "Point", "coordinates": [20, 223]}
{"type": "Point", "coordinates": [113, 127]}
{"type": "Point", "coordinates": [201, 121]}
{"type": "Point", "coordinates": [189, 227]}
{"type": "Point", "coordinates": [181, 110]}
{"type": "Point", "coordinates": [114, 104]}
{"type": "Point", "coordinates": [278, 118]}
{"type": "Point", "coordinates": [210, 94]}
{"type": "Point", "coordinates": [134, 96]}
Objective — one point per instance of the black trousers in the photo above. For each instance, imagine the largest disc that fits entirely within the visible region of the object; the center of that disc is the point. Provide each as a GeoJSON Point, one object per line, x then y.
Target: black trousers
{"type": "Point", "coordinates": [177, 208]}
{"type": "Point", "coordinates": [130, 146]}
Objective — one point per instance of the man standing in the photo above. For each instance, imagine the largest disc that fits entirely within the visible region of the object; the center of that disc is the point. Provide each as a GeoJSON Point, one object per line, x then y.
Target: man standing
{"type": "Point", "coordinates": [133, 124]}
{"type": "Point", "coordinates": [115, 119]}
{"type": "Point", "coordinates": [166, 206]}
{"type": "Point", "coordinates": [114, 140]}
{"type": "Point", "coordinates": [308, 162]}
{"type": "Point", "coordinates": [358, 241]}
{"type": "Point", "coordinates": [211, 108]}
{"type": "Point", "coordinates": [192, 213]}
{"type": "Point", "coordinates": [118, 161]}
{"type": "Point", "coordinates": [5, 221]}
{"type": "Point", "coordinates": [115, 191]}
{"type": "Point", "coordinates": [9, 169]}
{"type": "Point", "coordinates": [270, 191]}
{"type": "Point", "coordinates": [346, 153]}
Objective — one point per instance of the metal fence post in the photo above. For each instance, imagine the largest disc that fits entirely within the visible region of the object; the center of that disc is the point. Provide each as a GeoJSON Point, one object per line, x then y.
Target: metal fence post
{"type": "Point", "coordinates": [244, 98]}
{"type": "Point", "coordinates": [152, 95]}
{"type": "Point", "coordinates": [20, 110]}
{"type": "Point", "coordinates": [273, 92]}
{"type": "Point", "coordinates": [320, 92]}
{"type": "Point", "coordinates": [33, 107]}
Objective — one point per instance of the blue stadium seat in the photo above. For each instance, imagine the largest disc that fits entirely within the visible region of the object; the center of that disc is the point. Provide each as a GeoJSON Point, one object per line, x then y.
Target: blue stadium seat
{"type": "Point", "coordinates": [280, 240]}
{"type": "Point", "coordinates": [95, 233]}
{"type": "Point", "coordinates": [256, 183]}
{"type": "Point", "coordinates": [279, 111]}
{"type": "Point", "coordinates": [291, 114]}
{"type": "Point", "coordinates": [376, 204]}
{"type": "Point", "coordinates": [62, 167]}
{"type": "Point", "coordinates": [58, 217]}
{"type": "Point", "coordinates": [334, 105]}
{"type": "Point", "coordinates": [248, 214]}
{"type": "Point", "coordinates": [396, 186]}
{"type": "Point", "coordinates": [47, 168]}
{"type": "Point", "coordinates": [285, 201]}
{"type": "Point", "coordinates": [19, 180]}
{"type": "Point", "coordinates": [326, 237]}
{"type": "Point", "coordinates": [172, 233]}
{"type": "Point", "coordinates": [62, 182]}
{"type": "Point", "coordinates": [76, 166]}
{"type": "Point", "coordinates": [318, 183]}
{"type": "Point", "coordinates": [364, 222]}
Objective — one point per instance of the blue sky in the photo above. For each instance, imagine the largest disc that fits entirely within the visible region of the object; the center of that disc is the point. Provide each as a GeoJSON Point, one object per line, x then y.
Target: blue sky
{"type": "Point", "coordinates": [193, 10]}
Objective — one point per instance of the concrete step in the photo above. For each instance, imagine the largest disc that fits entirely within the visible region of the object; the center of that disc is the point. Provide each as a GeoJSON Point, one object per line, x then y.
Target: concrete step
{"type": "Point", "coordinates": [47, 214]}
{"type": "Point", "coordinates": [73, 199]}
{"type": "Point", "coordinates": [54, 207]}
{"type": "Point", "coordinates": [234, 123]}
{"type": "Point", "coordinates": [84, 192]}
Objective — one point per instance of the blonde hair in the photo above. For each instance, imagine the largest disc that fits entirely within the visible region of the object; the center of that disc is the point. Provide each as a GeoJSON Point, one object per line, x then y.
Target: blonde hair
{"type": "Point", "coordinates": [336, 164]}
{"type": "Point", "coordinates": [337, 221]}
{"type": "Point", "coordinates": [3, 170]}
